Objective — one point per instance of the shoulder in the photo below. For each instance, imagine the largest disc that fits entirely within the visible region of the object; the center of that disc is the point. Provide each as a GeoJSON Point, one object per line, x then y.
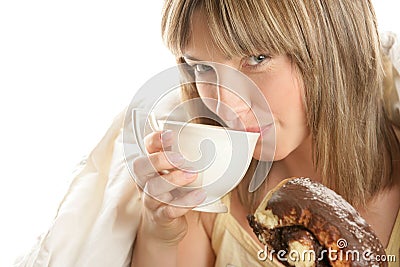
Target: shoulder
{"type": "Point", "coordinates": [195, 249]}
{"type": "Point", "coordinates": [208, 220]}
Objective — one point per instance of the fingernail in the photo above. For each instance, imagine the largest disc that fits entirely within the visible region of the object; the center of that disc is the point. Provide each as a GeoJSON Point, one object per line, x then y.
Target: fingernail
{"type": "Point", "coordinates": [166, 137]}
{"type": "Point", "coordinates": [200, 195]}
{"type": "Point", "coordinates": [189, 175]}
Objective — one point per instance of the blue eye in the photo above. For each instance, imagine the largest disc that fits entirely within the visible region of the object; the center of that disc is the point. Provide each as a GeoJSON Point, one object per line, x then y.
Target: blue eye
{"type": "Point", "coordinates": [201, 68]}
{"type": "Point", "coordinates": [255, 60]}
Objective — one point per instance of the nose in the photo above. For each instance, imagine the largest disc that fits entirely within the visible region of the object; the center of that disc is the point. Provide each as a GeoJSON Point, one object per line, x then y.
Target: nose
{"type": "Point", "coordinates": [225, 91]}
{"type": "Point", "coordinates": [230, 105]}
{"type": "Point", "coordinates": [233, 98]}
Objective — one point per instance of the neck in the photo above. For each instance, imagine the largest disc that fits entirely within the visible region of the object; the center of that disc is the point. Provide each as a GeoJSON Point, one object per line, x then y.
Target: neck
{"type": "Point", "coordinates": [299, 163]}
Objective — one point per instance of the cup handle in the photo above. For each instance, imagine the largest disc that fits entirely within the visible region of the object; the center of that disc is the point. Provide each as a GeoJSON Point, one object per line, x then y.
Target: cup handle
{"type": "Point", "coordinates": [138, 128]}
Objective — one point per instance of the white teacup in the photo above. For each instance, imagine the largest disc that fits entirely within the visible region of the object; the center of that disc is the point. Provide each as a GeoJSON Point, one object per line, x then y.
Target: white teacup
{"type": "Point", "coordinates": [220, 156]}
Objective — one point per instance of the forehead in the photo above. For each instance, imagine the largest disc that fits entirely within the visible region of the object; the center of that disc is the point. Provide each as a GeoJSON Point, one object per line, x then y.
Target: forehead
{"type": "Point", "coordinates": [201, 44]}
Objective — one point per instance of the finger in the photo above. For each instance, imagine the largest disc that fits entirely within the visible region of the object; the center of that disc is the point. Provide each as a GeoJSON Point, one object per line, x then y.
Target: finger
{"type": "Point", "coordinates": [153, 203]}
{"type": "Point", "coordinates": [180, 207]}
{"type": "Point", "coordinates": [157, 162]}
{"type": "Point", "coordinates": [157, 141]}
{"type": "Point", "coordinates": [168, 182]}
{"type": "Point", "coordinates": [190, 200]}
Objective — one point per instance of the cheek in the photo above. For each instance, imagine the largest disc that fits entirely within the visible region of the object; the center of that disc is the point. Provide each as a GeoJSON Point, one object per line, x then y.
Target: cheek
{"type": "Point", "coordinates": [285, 97]}
{"type": "Point", "coordinates": [284, 94]}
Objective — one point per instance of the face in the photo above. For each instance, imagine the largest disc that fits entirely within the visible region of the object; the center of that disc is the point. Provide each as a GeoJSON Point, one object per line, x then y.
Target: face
{"type": "Point", "coordinates": [277, 81]}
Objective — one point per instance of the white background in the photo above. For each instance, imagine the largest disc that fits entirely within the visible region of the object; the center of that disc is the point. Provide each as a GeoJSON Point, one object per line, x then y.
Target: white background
{"type": "Point", "coordinates": [66, 70]}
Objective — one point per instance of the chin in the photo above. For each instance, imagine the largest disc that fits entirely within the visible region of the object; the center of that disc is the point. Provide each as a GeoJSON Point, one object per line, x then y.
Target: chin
{"type": "Point", "coordinates": [280, 156]}
{"type": "Point", "coordinates": [265, 154]}
{"type": "Point", "coordinates": [270, 153]}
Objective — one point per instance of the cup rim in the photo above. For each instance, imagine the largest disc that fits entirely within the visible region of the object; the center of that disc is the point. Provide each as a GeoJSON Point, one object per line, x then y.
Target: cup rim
{"type": "Point", "coordinates": [207, 126]}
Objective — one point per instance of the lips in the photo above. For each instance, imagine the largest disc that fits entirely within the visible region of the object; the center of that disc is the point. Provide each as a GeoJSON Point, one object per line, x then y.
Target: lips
{"type": "Point", "coordinates": [259, 129]}
{"type": "Point", "coordinates": [253, 129]}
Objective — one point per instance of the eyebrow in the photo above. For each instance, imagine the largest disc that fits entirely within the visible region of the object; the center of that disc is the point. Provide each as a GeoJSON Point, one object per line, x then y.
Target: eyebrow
{"type": "Point", "coordinates": [186, 56]}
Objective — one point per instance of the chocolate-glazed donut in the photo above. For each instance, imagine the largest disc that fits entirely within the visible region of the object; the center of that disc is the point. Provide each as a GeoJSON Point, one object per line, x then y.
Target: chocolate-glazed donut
{"type": "Point", "coordinates": [300, 215]}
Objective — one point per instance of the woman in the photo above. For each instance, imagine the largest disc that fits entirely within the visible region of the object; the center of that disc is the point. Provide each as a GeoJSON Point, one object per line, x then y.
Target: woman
{"type": "Point", "coordinates": [319, 65]}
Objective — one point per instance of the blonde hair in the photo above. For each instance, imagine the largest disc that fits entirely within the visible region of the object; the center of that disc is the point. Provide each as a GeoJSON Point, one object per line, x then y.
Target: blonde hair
{"type": "Point", "coordinates": [336, 50]}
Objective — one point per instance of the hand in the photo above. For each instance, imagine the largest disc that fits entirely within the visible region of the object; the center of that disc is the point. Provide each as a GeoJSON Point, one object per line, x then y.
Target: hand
{"type": "Point", "coordinates": [164, 204]}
